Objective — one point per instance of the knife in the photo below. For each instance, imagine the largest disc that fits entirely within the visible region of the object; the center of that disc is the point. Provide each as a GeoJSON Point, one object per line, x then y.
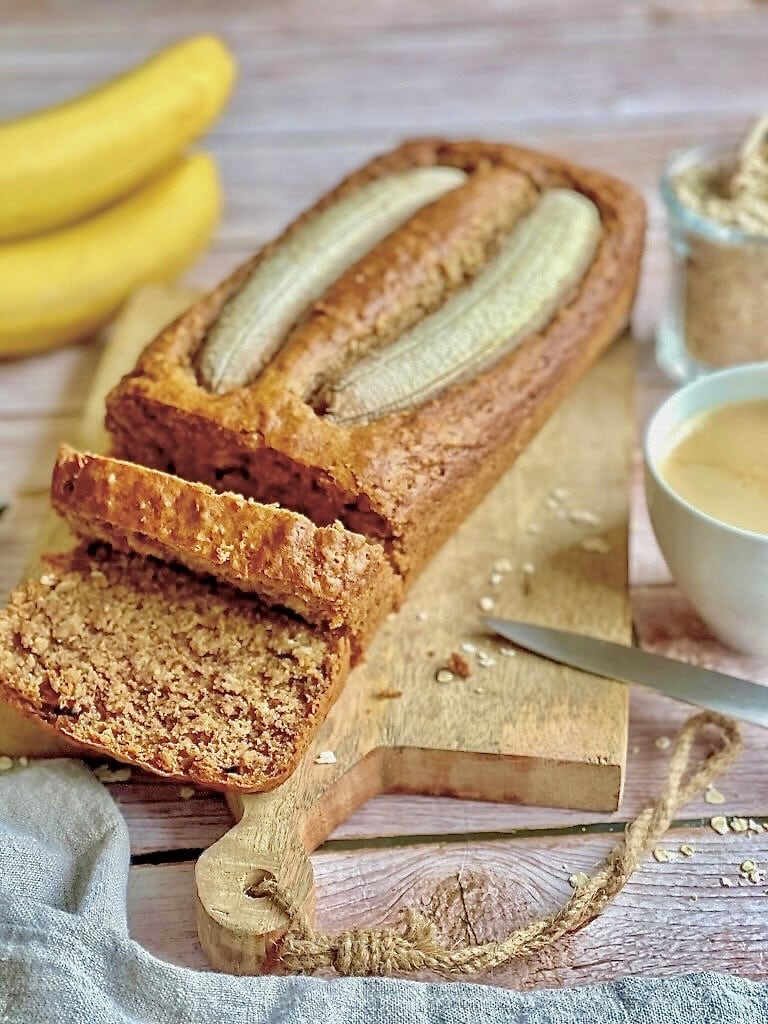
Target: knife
{"type": "Point", "coordinates": [703, 687]}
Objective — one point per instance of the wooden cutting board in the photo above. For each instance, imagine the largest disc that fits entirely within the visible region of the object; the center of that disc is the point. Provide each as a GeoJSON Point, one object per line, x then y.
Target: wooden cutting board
{"type": "Point", "coordinates": [517, 728]}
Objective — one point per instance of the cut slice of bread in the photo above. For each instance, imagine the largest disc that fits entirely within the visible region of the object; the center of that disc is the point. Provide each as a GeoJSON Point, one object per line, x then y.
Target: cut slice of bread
{"type": "Point", "coordinates": [155, 667]}
{"type": "Point", "coordinates": [327, 575]}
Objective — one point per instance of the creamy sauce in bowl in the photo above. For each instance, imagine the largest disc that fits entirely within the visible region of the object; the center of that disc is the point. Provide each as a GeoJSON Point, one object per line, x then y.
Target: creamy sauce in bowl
{"type": "Point", "coordinates": [718, 462]}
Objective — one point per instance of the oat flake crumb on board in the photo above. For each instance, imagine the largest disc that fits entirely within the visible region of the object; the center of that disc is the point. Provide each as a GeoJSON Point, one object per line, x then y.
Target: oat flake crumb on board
{"type": "Point", "coordinates": [662, 743]}
{"type": "Point", "coordinates": [713, 796]}
{"type": "Point", "coordinates": [325, 757]}
{"type": "Point", "coordinates": [187, 792]}
{"type": "Point", "coordinates": [106, 774]}
{"type": "Point", "coordinates": [6, 763]}
{"type": "Point", "coordinates": [661, 855]}
{"type": "Point", "coordinates": [739, 825]}
{"type": "Point", "coordinates": [719, 824]}
{"type": "Point", "coordinates": [596, 545]}
{"type": "Point", "coordinates": [584, 517]}
{"type": "Point", "coordinates": [444, 675]}
{"type": "Point", "coordinates": [577, 879]}
{"type": "Point", "coordinates": [686, 849]}
{"type": "Point", "coordinates": [726, 883]}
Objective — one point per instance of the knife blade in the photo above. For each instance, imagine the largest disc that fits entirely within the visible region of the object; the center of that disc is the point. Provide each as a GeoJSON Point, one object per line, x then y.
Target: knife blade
{"type": "Point", "coordinates": [702, 687]}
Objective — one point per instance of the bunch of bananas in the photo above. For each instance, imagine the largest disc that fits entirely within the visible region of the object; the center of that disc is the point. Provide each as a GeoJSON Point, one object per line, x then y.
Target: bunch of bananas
{"type": "Point", "coordinates": [96, 196]}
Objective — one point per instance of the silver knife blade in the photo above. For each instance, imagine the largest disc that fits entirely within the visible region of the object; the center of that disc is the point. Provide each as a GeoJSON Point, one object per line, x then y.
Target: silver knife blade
{"type": "Point", "coordinates": [702, 687]}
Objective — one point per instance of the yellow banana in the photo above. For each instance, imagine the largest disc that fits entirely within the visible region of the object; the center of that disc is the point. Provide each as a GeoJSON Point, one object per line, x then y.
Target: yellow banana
{"type": "Point", "coordinates": [59, 287]}
{"type": "Point", "coordinates": [61, 164]}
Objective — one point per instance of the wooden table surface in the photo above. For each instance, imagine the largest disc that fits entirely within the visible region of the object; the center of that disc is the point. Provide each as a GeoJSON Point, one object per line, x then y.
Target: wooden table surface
{"type": "Point", "coordinates": [323, 86]}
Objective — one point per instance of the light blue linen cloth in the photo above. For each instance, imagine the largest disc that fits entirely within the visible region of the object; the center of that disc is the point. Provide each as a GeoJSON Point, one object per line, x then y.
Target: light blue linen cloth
{"type": "Point", "coordinates": [66, 957]}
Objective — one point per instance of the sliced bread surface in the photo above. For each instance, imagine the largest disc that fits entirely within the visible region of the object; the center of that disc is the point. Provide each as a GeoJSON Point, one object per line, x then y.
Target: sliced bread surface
{"type": "Point", "coordinates": [152, 666]}
{"type": "Point", "coordinates": [327, 575]}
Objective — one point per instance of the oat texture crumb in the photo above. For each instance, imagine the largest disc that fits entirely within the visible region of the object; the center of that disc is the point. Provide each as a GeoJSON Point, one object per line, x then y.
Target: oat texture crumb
{"type": "Point", "coordinates": [325, 757]}
{"type": "Point", "coordinates": [719, 824]}
{"type": "Point", "coordinates": [661, 855]}
{"type": "Point", "coordinates": [187, 792]}
{"type": "Point", "coordinates": [444, 675]}
{"type": "Point", "coordinates": [713, 796]}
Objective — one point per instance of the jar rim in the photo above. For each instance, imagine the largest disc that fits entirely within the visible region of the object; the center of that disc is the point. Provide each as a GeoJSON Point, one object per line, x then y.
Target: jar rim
{"type": "Point", "coordinates": [695, 222]}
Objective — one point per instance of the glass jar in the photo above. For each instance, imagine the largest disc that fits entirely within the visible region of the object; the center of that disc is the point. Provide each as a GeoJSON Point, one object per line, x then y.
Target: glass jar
{"type": "Point", "coordinates": [717, 313]}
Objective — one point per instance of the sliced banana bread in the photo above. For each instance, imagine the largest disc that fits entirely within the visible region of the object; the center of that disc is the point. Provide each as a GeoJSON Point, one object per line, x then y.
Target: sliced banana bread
{"type": "Point", "coordinates": [155, 667]}
{"type": "Point", "coordinates": [327, 575]}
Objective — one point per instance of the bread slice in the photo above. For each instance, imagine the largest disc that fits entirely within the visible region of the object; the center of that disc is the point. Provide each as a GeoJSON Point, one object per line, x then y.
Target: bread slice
{"type": "Point", "coordinates": [407, 478]}
{"type": "Point", "coordinates": [155, 667]}
{"type": "Point", "coordinates": [327, 575]}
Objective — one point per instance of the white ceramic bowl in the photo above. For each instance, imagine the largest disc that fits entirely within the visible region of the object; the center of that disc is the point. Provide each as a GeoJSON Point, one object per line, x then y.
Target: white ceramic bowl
{"type": "Point", "coordinates": [722, 569]}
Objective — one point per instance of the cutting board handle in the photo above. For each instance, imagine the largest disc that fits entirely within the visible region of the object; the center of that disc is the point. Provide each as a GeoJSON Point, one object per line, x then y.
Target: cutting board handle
{"type": "Point", "coordinates": [239, 929]}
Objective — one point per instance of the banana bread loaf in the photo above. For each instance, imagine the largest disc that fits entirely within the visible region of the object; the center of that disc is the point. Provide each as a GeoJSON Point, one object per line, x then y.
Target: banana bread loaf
{"type": "Point", "coordinates": [405, 477]}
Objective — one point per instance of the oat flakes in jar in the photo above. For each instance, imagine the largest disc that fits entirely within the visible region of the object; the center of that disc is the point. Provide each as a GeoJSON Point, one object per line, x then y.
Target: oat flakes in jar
{"type": "Point", "coordinates": [716, 197]}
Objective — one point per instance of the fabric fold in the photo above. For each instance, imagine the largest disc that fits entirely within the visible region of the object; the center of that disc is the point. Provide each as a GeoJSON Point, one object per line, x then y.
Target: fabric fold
{"type": "Point", "coordinates": [66, 957]}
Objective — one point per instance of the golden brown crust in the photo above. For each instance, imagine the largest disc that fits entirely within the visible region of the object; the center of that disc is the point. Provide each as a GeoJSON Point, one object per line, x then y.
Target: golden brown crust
{"type": "Point", "coordinates": [409, 478]}
{"type": "Point", "coordinates": [157, 668]}
{"type": "Point", "coordinates": [327, 575]}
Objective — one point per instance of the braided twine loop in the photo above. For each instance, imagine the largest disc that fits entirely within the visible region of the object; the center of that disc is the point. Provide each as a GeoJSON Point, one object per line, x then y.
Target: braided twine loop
{"type": "Point", "coordinates": [415, 946]}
